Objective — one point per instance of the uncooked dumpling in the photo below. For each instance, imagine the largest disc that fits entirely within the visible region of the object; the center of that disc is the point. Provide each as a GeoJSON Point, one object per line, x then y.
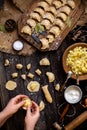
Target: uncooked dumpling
{"type": "Point", "coordinates": [71, 3]}
{"type": "Point", "coordinates": [45, 43]}
{"type": "Point", "coordinates": [46, 23]}
{"type": "Point", "coordinates": [44, 62]}
{"type": "Point", "coordinates": [66, 10]}
{"type": "Point", "coordinates": [51, 76]}
{"type": "Point", "coordinates": [43, 4]}
{"type": "Point", "coordinates": [49, 1]}
{"type": "Point", "coordinates": [35, 16]}
{"type": "Point", "coordinates": [26, 29]}
{"type": "Point", "coordinates": [55, 30]}
{"type": "Point", "coordinates": [39, 10]}
{"type": "Point", "coordinates": [31, 22]}
{"type": "Point", "coordinates": [50, 38]}
{"type": "Point", "coordinates": [60, 23]}
{"type": "Point", "coordinates": [52, 10]}
{"type": "Point", "coordinates": [49, 16]}
{"type": "Point", "coordinates": [57, 4]}
{"type": "Point", "coordinates": [62, 16]}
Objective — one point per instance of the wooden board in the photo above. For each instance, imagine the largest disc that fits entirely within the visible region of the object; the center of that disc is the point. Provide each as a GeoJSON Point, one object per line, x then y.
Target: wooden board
{"type": "Point", "coordinates": [74, 16]}
{"type": "Point", "coordinates": [50, 113]}
{"type": "Point", "coordinates": [7, 38]}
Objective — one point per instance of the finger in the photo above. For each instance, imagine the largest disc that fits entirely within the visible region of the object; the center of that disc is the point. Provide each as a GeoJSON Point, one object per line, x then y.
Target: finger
{"type": "Point", "coordinates": [28, 110]}
{"type": "Point", "coordinates": [20, 104]}
{"type": "Point", "coordinates": [35, 106]}
{"type": "Point", "coordinates": [18, 97]}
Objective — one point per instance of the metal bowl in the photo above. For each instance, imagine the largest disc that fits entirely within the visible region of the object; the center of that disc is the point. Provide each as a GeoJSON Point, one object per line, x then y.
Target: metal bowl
{"type": "Point", "coordinates": [73, 94]}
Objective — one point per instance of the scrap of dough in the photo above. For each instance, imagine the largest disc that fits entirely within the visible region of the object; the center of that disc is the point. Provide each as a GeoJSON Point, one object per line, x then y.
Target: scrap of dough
{"type": "Point", "coordinates": [47, 94]}
{"type": "Point", "coordinates": [38, 71]}
{"type": "Point", "coordinates": [44, 61]}
{"type": "Point", "coordinates": [30, 75]}
{"type": "Point", "coordinates": [7, 63]}
{"type": "Point", "coordinates": [51, 76]}
{"type": "Point", "coordinates": [14, 75]}
{"type": "Point", "coordinates": [33, 86]}
{"type": "Point", "coordinates": [10, 85]}
{"type": "Point", "coordinates": [23, 76]}
{"type": "Point", "coordinates": [41, 106]}
{"type": "Point", "coordinates": [19, 66]}
{"type": "Point", "coordinates": [57, 87]}
{"type": "Point", "coordinates": [27, 103]}
{"type": "Point", "coordinates": [28, 66]}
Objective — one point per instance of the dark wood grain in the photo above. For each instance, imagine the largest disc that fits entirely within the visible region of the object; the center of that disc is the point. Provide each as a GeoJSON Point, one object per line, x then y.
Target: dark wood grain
{"type": "Point", "coordinates": [50, 114]}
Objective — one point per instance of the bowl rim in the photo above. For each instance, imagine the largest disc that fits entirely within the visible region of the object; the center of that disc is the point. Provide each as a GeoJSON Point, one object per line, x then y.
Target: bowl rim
{"type": "Point", "coordinates": [65, 67]}
{"type": "Point", "coordinates": [81, 93]}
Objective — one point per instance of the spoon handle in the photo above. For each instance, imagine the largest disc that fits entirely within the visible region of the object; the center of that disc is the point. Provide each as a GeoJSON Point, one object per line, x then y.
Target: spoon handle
{"type": "Point", "coordinates": [63, 86]}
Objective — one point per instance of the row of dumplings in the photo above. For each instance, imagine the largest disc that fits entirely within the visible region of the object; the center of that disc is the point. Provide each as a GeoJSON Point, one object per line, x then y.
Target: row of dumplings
{"type": "Point", "coordinates": [46, 13]}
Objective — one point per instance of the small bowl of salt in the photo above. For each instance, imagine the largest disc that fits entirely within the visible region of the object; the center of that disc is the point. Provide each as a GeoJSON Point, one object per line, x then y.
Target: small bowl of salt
{"type": "Point", "coordinates": [73, 94]}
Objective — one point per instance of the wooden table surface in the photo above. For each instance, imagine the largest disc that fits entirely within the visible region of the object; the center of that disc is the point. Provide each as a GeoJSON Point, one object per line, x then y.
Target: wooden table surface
{"type": "Point", "coordinates": [50, 114]}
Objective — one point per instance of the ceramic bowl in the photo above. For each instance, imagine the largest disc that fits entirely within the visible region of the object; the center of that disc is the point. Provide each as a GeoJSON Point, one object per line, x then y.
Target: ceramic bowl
{"type": "Point", "coordinates": [66, 68]}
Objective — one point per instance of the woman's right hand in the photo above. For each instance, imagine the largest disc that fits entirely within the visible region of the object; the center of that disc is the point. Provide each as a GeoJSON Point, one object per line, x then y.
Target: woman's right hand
{"type": "Point", "coordinates": [32, 116]}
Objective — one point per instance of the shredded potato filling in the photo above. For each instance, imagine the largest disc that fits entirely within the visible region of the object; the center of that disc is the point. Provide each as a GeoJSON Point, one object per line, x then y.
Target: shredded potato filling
{"type": "Point", "coordinates": [77, 60]}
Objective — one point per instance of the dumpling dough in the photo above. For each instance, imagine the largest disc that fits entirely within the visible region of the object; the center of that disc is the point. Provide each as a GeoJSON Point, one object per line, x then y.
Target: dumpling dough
{"type": "Point", "coordinates": [39, 10]}
{"type": "Point", "coordinates": [55, 31]}
{"type": "Point", "coordinates": [26, 29]}
{"type": "Point", "coordinates": [44, 61]}
{"type": "Point", "coordinates": [52, 10]}
{"type": "Point", "coordinates": [51, 76]}
{"type": "Point", "coordinates": [49, 16]}
{"type": "Point", "coordinates": [27, 103]}
{"type": "Point", "coordinates": [59, 23]}
{"type": "Point", "coordinates": [44, 43]}
{"type": "Point", "coordinates": [71, 3]}
{"type": "Point", "coordinates": [31, 22]}
{"type": "Point", "coordinates": [46, 23]}
{"type": "Point", "coordinates": [33, 86]}
{"type": "Point", "coordinates": [66, 10]}
{"type": "Point", "coordinates": [43, 4]}
{"type": "Point", "coordinates": [57, 4]}
{"type": "Point", "coordinates": [11, 85]}
{"type": "Point", "coordinates": [62, 16]}
{"type": "Point", "coordinates": [35, 16]}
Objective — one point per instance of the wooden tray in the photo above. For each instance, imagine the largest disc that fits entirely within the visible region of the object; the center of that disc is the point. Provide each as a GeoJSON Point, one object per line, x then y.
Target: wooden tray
{"type": "Point", "coordinates": [74, 16]}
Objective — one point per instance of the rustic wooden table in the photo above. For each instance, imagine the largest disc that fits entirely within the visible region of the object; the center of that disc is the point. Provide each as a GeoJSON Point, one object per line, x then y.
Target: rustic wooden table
{"type": "Point", "coordinates": [50, 114]}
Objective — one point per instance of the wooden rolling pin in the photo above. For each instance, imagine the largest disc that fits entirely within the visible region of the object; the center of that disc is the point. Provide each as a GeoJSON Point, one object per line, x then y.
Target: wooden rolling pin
{"type": "Point", "coordinates": [77, 121]}
{"type": "Point", "coordinates": [73, 124]}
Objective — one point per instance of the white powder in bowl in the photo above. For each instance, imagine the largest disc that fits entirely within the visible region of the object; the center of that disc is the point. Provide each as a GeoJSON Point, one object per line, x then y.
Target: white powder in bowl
{"type": "Point", "coordinates": [18, 45]}
{"type": "Point", "coordinates": [73, 94]}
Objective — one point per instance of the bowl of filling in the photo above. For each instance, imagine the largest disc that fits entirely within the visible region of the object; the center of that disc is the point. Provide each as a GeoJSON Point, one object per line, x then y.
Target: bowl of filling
{"type": "Point", "coordinates": [73, 94]}
{"type": "Point", "coordinates": [75, 59]}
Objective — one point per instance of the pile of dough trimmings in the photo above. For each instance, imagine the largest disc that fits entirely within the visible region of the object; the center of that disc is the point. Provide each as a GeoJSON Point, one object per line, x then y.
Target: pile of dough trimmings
{"type": "Point", "coordinates": [33, 86]}
{"type": "Point", "coordinates": [27, 103]}
{"type": "Point", "coordinates": [77, 60]}
{"type": "Point", "coordinates": [10, 85]}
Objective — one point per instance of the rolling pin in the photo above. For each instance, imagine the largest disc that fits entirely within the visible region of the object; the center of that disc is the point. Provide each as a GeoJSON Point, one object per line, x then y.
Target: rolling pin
{"type": "Point", "coordinates": [73, 124]}
{"type": "Point", "coordinates": [77, 121]}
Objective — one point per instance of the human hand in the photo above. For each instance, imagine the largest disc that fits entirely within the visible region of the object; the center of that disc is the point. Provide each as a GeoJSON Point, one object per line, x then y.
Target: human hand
{"type": "Point", "coordinates": [32, 116]}
{"type": "Point", "coordinates": [14, 104]}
